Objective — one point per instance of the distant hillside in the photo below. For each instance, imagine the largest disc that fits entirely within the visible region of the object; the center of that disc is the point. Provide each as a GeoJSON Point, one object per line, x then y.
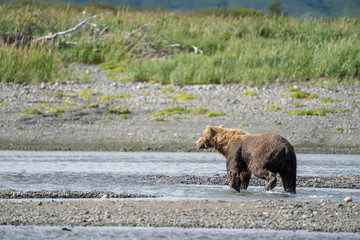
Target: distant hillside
{"type": "Point", "coordinates": [296, 8]}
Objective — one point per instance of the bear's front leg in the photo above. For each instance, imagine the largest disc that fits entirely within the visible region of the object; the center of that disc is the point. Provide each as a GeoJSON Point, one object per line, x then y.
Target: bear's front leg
{"type": "Point", "coordinates": [234, 179]}
{"type": "Point", "coordinates": [245, 177]}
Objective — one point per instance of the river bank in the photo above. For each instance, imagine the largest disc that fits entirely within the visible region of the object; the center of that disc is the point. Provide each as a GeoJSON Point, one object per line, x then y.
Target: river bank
{"type": "Point", "coordinates": [85, 114]}
{"type": "Point", "coordinates": [326, 216]}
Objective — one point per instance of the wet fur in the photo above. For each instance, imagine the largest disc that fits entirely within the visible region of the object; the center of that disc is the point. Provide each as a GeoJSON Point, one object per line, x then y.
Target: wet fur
{"type": "Point", "coordinates": [263, 155]}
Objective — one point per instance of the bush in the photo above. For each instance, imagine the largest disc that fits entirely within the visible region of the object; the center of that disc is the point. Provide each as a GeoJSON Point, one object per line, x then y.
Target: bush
{"type": "Point", "coordinates": [172, 110]}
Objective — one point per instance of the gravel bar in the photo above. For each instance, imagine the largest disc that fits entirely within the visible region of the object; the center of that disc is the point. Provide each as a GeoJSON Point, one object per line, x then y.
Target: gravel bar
{"type": "Point", "coordinates": [16, 194]}
{"type": "Point", "coordinates": [324, 216]}
{"type": "Point", "coordinates": [84, 122]}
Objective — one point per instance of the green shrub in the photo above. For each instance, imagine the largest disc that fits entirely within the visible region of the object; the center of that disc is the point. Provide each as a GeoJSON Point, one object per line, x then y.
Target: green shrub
{"type": "Point", "coordinates": [167, 89]}
{"type": "Point", "coordinates": [250, 93]}
{"type": "Point", "coordinates": [45, 105]}
{"type": "Point", "coordinates": [172, 110]}
{"type": "Point", "coordinates": [118, 111]}
{"type": "Point", "coordinates": [206, 112]}
{"type": "Point", "coordinates": [342, 109]}
{"type": "Point", "coordinates": [68, 104]}
{"type": "Point", "coordinates": [297, 104]}
{"type": "Point", "coordinates": [94, 105]}
{"type": "Point", "coordinates": [86, 92]}
{"type": "Point", "coordinates": [107, 96]}
{"type": "Point", "coordinates": [214, 114]}
{"type": "Point", "coordinates": [273, 107]}
{"type": "Point", "coordinates": [318, 111]}
{"type": "Point", "coordinates": [57, 110]}
{"type": "Point", "coordinates": [199, 110]}
{"type": "Point", "coordinates": [109, 65]}
{"type": "Point", "coordinates": [158, 119]}
{"type": "Point", "coordinates": [64, 95]}
{"type": "Point", "coordinates": [291, 89]}
{"type": "Point", "coordinates": [301, 94]}
{"type": "Point", "coordinates": [184, 97]}
{"type": "Point", "coordinates": [31, 111]}
{"type": "Point", "coordinates": [326, 100]}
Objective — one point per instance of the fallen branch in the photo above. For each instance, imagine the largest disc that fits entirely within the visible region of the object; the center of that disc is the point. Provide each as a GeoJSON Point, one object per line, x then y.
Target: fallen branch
{"type": "Point", "coordinates": [53, 36]}
{"type": "Point", "coordinates": [197, 50]}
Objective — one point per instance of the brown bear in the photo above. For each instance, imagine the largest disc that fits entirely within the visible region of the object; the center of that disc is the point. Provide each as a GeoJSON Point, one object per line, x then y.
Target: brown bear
{"type": "Point", "coordinates": [263, 155]}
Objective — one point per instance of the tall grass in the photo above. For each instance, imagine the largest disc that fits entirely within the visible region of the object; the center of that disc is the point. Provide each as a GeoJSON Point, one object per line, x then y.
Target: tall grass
{"type": "Point", "coordinates": [239, 46]}
{"type": "Point", "coordinates": [28, 63]}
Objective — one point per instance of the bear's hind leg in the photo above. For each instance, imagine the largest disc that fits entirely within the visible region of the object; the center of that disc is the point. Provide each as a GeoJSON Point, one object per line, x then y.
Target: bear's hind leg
{"type": "Point", "coordinates": [268, 176]}
{"type": "Point", "coordinates": [289, 182]}
{"type": "Point", "coordinates": [270, 181]}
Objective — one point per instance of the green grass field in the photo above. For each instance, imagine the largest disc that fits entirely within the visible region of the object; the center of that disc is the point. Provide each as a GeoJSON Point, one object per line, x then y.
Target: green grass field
{"type": "Point", "coordinates": [243, 46]}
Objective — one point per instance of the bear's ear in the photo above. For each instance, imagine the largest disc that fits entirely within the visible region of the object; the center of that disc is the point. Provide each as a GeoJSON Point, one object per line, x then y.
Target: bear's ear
{"type": "Point", "coordinates": [221, 126]}
{"type": "Point", "coordinates": [210, 130]}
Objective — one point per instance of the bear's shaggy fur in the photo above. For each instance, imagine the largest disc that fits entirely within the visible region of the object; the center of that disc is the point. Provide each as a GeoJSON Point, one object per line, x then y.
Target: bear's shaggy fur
{"type": "Point", "coordinates": [263, 155]}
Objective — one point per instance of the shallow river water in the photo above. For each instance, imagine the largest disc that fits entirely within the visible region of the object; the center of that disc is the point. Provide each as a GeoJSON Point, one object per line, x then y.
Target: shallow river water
{"type": "Point", "coordinates": [125, 171]}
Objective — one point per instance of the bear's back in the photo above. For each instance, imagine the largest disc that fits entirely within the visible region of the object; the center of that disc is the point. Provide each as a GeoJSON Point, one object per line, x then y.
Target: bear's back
{"type": "Point", "coordinates": [263, 145]}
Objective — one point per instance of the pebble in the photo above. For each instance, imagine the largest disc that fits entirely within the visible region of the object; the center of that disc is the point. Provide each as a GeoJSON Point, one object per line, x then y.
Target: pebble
{"type": "Point", "coordinates": [347, 199]}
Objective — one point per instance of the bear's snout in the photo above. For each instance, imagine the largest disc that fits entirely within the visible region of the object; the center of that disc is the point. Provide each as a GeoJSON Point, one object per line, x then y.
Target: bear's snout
{"type": "Point", "coordinates": [200, 144]}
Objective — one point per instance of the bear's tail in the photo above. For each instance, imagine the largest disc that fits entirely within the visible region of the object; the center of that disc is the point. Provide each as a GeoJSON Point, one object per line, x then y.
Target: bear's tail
{"type": "Point", "coordinates": [288, 175]}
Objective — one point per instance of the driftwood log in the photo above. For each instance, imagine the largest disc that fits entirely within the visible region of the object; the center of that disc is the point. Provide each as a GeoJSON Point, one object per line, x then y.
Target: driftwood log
{"type": "Point", "coordinates": [53, 36]}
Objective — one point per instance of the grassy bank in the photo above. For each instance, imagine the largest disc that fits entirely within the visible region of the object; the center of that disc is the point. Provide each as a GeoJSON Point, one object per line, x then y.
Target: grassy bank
{"type": "Point", "coordinates": [159, 46]}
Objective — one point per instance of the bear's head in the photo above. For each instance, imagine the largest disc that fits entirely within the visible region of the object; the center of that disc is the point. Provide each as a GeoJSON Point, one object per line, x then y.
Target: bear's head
{"type": "Point", "coordinates": [207, 138]}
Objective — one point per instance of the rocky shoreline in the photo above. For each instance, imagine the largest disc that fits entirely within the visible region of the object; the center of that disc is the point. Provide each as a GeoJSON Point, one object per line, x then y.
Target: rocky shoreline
{"type": "Point", "coordinates": [66, 194]}
{"type": "Point", "coordinates": [85, 114]}
{"type": "Point", "coordinates": [324, 216]}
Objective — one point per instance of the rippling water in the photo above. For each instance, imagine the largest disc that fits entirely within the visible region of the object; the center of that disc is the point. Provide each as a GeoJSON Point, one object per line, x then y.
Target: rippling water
{"type": "Point", "coordinates": [9, 232]}
{"type": "Point", "coordinates": [125, 171]}
{"type": "Point", "coordinates": [167, 163]}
